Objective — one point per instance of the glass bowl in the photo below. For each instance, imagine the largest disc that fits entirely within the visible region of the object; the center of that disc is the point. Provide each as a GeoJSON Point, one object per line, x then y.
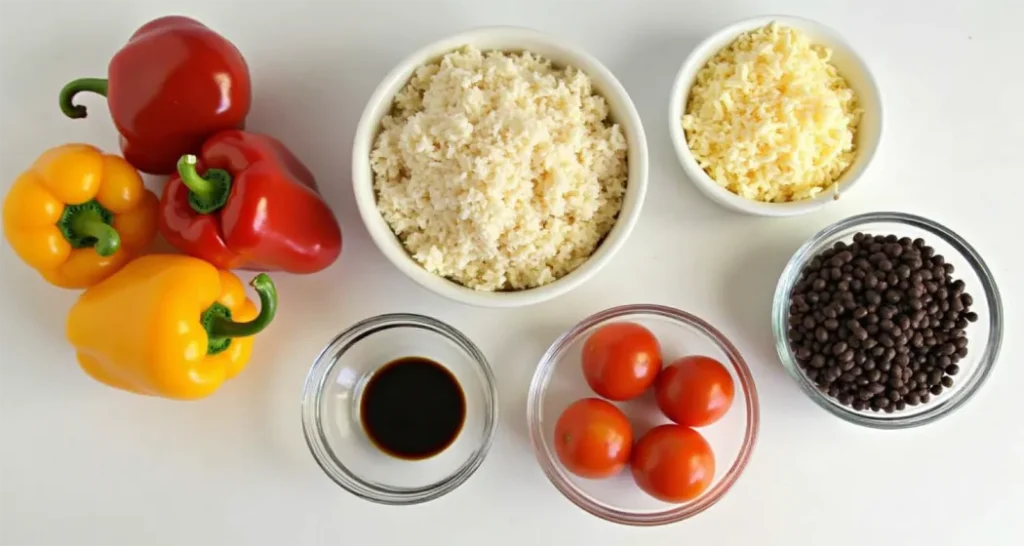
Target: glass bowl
{"type": "Point", "coordinates": [558, 382]}
{"type": "Point", "coordinates": [331, 418]}
{"type": "Point", "coordinates": [985, 335]}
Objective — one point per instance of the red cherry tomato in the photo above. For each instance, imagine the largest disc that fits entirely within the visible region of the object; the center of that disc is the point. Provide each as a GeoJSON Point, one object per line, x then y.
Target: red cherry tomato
{"type": "Point", "coordinates": [673, 463]}
{"type": "Point", "coordinates": [593, 438]}
{"type": "Point", "coordinates": [694, 391]}
{"type": "Point", "coordinates": [621, 360]}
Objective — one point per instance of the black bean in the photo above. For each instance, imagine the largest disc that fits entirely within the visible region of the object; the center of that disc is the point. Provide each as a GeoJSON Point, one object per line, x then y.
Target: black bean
{"type": "Point", "coordinates": [879, 318]}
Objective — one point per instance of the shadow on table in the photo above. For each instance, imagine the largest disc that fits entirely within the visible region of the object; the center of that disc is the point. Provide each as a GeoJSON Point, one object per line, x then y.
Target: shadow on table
{"type": "Point", "coordinates": [748, 289]}
{"type": "Point", "coordinates": [527, 347]}
{"type": "Point", "coordinates": [647, 71]}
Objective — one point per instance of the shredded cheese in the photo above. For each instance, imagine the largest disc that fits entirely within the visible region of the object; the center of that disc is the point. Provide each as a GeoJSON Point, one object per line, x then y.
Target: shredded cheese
{"type": "Point", "coordinates": [770, 118]}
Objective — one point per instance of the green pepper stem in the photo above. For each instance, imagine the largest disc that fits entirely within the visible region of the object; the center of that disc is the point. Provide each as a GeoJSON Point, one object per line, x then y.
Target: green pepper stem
{"type": "Point", "coordinates": [222, 327]}
{"type": "Point", "coordinates": [67, 95]}
{"type": "Point", "coordinates": [206, 193]}
{"type": "Point", "coordinates": [89, 224]}
{"type": "Point", "coordinates": [198, 185]}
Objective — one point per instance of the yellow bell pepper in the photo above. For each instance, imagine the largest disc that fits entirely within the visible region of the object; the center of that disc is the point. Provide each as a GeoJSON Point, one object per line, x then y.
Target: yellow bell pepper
{"type": "Point", "coordinates": [78, 215]}
{"type": "Point", "coordinates": [165, 325]}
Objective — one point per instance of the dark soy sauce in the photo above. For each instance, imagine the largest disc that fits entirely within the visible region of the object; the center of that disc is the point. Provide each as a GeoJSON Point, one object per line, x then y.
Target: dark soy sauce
{"type": "Point", "coordinates": [412, 408]}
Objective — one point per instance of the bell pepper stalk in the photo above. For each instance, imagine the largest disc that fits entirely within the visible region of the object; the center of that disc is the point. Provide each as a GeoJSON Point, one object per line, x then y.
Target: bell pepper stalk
{"type": "Point", "coordinates": [207, 193]}
{"type": "Point", "coordinates": [88, 225]}
{"type": "Point", "coordinates": [77, 215]}
{"type": "Point", "coordinates": [171, 86]}
{"type": "Point", "coordinates": [68, 92]}
{"type": "Point", "coordinates": [219, 326]}
{"type": "Point", "coordinates": [191, 328]}
{"type": "Point", "coordinates": [246, 202]}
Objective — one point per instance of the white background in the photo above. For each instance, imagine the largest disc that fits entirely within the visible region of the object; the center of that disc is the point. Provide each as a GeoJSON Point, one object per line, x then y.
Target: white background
{"type": "Point", "coordinates": [84, 464]}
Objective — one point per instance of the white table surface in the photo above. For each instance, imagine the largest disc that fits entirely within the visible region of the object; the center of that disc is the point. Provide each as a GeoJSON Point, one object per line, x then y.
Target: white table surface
{"type": "Point", "coordinates": [84, 464]}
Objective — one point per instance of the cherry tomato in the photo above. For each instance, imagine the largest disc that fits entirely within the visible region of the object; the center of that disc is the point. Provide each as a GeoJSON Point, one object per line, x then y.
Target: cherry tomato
{"type": "Point", "coordinates": [694, 391]}
{"type": "Point", "coordinates": [673, 463]}
{"type": "Point", "coordinates": [621, 360]}
{"type": "Point", "coordinates": [593, 438]}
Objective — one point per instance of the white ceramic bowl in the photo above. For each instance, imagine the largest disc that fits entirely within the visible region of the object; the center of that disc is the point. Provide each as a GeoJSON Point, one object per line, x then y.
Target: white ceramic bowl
{"type": "Point", "coordinates": [850, 66]}
{"type": "Point", "coordinates": [508, 39]}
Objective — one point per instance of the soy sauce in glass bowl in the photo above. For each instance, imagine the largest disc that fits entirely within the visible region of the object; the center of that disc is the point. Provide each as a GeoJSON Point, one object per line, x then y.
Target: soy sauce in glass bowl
{"type": "Point", "coordinates": [361, 409]}
{"type": "Point", "coordinates": [558, 382]}
{"type": "Point", "coordinates": [412, 408]}
{"type": "Point", "coordinates": [984, 334]}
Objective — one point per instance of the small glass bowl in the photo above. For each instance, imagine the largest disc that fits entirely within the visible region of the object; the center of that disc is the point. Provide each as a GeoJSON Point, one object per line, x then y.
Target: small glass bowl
{"type": "Point", "coordinates": [558, 382]}
{"type": "Point", "coordinates": [985, 336]}
{"type": "Point", "coordinates": [331, 409]}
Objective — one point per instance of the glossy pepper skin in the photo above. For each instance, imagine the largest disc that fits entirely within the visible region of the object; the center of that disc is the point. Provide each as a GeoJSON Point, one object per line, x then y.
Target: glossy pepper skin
{"type": "Point", "coordinates": [168, 325]}
{"type": "Point", "coordinates": [78, 215]}
{"type": "Point", "coordinates": [248, 203]}
{"type": "Point", "coordinates": [171, 86]}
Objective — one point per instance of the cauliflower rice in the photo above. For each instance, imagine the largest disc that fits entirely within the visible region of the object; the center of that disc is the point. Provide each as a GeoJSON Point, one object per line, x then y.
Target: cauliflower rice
{"type": "Point", "coordinates": [498, 170]}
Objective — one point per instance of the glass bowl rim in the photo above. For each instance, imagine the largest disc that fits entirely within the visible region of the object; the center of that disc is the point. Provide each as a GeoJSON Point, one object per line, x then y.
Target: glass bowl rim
{"type": "Point", "coordinates": [312, 421]}
{"type": "Point", "coordinates": [790, 274]}
{"type": "Point", "coordinates": [547, 460]}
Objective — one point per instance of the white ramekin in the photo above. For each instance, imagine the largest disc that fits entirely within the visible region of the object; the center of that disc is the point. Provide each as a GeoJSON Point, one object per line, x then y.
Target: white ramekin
{"type": "Point", "coordinates": [850, 65]}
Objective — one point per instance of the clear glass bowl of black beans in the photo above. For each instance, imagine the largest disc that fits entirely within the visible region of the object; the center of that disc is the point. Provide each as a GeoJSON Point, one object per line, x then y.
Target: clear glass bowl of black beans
{"type": "Point", "coordinates": [888, 320]}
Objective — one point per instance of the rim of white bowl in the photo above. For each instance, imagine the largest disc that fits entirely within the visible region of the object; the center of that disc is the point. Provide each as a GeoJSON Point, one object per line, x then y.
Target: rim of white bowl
{"type": "Point", "coordinates": [680, 95]}
{"type": "Point", "coordinates": [386, 241]}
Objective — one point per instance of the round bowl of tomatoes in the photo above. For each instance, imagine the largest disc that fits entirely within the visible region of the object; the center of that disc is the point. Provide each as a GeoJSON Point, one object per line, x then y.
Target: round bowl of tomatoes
{"type": "Point", "coordinates": [643, 414]}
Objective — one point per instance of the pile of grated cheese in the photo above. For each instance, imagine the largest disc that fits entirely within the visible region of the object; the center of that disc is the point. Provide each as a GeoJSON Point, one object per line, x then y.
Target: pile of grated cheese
{"type": "Point", "coordinates": [770, 119]}
{"type": "Point", "coordinates": [499, 170]}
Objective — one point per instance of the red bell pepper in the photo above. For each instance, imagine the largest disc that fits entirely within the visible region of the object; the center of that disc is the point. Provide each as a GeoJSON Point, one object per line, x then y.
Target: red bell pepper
{"type": "Point", "coordinates": [175, 83]}
{"type": "Point", "coordinates": [255, 206]}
